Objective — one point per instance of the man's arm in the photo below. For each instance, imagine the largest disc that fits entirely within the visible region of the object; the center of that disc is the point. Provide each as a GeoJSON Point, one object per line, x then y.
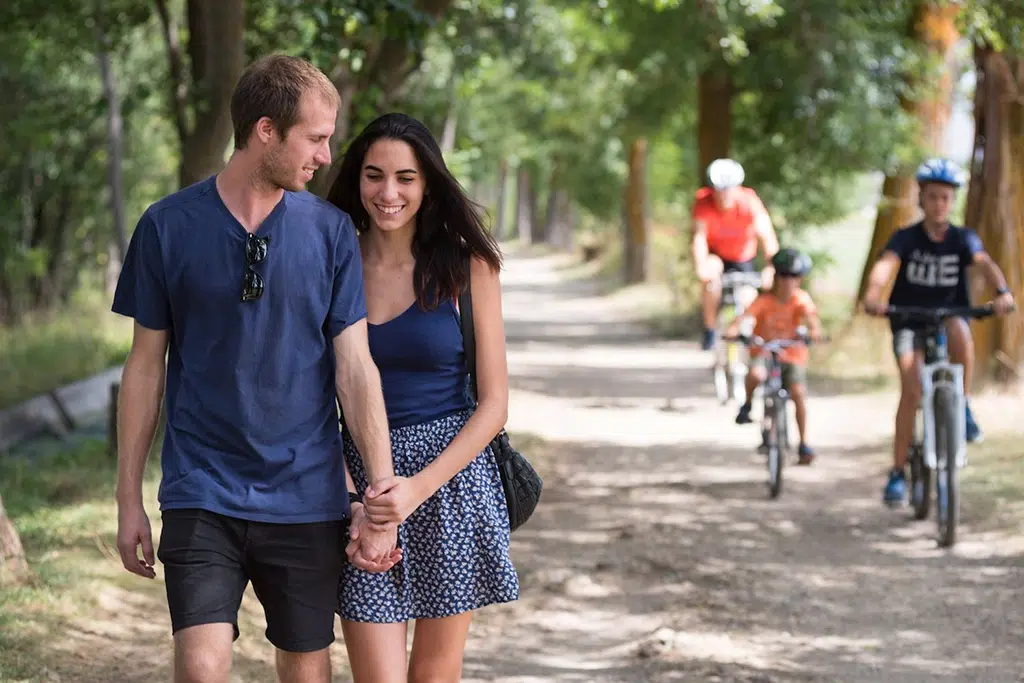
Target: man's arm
{"type": "Point", "coordinates": [881, 274]}
{"type": "Point", "coordinates": [766, 234]}
{"type": "Point", "coordinates": [138, 409]}
{"type": "Point", "coordinates": [993, 274]}
{"type": "Point", "coordinates": [357, 382]}
{"type": "Point", "coordinates": [699, 246]}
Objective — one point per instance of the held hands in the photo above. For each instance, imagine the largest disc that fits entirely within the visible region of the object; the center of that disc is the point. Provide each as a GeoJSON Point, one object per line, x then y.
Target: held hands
{"type": "Point", "coordinates": [390, 501]}
{"type": "Point", "coordinates": [371, 551]}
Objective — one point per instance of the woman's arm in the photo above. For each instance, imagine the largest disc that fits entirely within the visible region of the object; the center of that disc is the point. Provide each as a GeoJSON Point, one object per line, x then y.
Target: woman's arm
{"type": "Point", "coordinates": [492, 383]}
{"type": "Point", "coordinates": [394, 499]}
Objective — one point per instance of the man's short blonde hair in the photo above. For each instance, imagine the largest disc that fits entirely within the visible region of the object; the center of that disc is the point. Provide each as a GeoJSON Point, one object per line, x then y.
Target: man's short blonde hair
{"type": "Point", "coordinates": [273, 86]}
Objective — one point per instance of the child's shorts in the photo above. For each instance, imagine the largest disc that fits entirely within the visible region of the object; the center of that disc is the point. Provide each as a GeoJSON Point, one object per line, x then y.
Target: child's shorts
{"type": "Point", "coordinates": [792, 374]}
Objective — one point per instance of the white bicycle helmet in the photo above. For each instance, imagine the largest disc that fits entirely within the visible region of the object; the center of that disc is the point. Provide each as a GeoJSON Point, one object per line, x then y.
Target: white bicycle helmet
{"type": "Point", "coordinates": [724, 174]}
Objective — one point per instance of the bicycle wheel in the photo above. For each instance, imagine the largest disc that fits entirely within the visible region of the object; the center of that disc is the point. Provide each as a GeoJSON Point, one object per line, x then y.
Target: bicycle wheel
{"type": "Point", "coordinates": [947, 495]}
{"type": "Point", "coordinates": [721, 381]}
{"type": "Point", "coordinates": [775, 414]}
{"type": "Point", "coordinates": [737, 378]}
{"type": "Point", "coordinates": [920, 482]}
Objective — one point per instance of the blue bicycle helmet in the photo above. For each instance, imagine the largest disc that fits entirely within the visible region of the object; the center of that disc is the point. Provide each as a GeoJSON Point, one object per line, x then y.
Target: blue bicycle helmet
{"type": "Point", "coordinates": [941, 171]}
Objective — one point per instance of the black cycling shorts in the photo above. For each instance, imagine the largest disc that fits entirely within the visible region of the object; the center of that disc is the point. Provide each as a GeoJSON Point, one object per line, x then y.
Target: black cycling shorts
{"type": "Point", "coordinates": [737, 266]}
{"type": "Point", "coordinates": [294, 569]}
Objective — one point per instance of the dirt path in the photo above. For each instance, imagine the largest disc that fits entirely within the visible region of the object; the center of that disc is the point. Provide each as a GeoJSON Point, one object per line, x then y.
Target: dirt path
{"type": "Point", "coordinates": [656, 555]}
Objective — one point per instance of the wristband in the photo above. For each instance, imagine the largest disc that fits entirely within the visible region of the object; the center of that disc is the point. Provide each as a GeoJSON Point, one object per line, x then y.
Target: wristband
{"type": "Point", "coordinates": [354, 497]}
{"type": "Point", "coordinates": [1002, 290]}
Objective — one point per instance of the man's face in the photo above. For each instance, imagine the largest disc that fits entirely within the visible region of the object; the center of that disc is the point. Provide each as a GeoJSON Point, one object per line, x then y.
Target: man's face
{"type": "Point", "coordinates": [937, 202]}
{"type": "Point", "coordinates": [291, 161]}
{"type": "Point", "coordinates": [726, 198]}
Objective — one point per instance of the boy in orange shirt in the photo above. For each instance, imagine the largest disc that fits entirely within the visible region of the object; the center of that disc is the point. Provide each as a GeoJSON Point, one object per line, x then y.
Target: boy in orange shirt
{"type": "Point", "coordinates": [777, 315]}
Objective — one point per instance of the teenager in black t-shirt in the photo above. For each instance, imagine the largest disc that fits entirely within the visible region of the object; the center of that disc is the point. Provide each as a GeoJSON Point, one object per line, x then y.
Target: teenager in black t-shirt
{"type": "Point", "coordinates": [930, 259]}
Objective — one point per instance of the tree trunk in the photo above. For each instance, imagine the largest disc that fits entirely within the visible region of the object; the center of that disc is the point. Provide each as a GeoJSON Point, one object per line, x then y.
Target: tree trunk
{"type": "Point", "coordinates": [551, 208]}
{"type": "Point", "coordinates": [559, 219]}
{"type": "Point", "coordinates": [201, 104]}
{"type": "Point", "coordinates": [499, 221]}
{"type": "Point", "coordinates": [13, 568]}
{"type": "Point", "coordinates": [636, 255]}
{"type": "Point", "coordinates": [526, 203]}
{"type": "Point", "coordinates": [933, 26]}
{"type": "Point", "coordinates": [995, 205]}
{"type": "Point", "coordinates": [714, 115]}
{"type": "Point", "coordinates": [115, 144]}
{"type": "Point", "coordinates": [451, 118]}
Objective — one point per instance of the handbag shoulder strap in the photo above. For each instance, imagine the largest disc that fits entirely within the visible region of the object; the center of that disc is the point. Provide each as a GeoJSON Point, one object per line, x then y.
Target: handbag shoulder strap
{"type": "Point", "coordinates": [466, 322]}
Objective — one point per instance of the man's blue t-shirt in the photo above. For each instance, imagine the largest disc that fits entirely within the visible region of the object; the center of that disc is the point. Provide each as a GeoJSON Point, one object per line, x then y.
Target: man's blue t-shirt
{"type": "Point", "coordinates": [932, 274]}
{"type": "Point", "coordinates": [251, 419]}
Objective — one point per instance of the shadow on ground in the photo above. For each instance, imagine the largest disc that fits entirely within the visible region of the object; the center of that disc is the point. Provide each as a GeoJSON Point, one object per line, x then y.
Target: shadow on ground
{"type": "Point", "coordinates": [672, 564]}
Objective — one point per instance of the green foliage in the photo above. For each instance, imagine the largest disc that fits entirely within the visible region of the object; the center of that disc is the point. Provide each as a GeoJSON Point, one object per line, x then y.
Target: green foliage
{"type": "Point", "coordinates": [43, 353]}
{"type": "Point", "coordinates": [55, 224]}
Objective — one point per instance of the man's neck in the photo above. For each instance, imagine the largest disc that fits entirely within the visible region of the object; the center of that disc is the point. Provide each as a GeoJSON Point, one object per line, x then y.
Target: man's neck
{"type": "Point", "coordinates": [936, 229]}
{"type": "Point", "coordinates": [249, 198]}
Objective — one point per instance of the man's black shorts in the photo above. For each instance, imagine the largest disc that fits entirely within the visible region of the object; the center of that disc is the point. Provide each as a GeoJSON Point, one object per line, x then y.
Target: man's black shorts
{"type": "Point", "coordinates": [909, 339]}
{"type": "Point", "coordinates": [294, 569]}
{"type": "Point", "coordinates": [738, 266]}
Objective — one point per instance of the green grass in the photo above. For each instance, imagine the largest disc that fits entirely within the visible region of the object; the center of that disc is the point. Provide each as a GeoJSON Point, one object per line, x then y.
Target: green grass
{"type": "Point", "coordinates": [47, 352]}
{"type": "Point", "coordinates": [82, 617]}
{"type": "Point", "coordinates": [62, 504]}
{"type": "Point", "coordinates": [993, 485]}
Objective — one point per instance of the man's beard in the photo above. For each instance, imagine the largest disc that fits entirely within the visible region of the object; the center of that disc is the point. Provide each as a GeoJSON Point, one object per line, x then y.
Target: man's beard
{"type": "Point", "coordinates": [277, 175]}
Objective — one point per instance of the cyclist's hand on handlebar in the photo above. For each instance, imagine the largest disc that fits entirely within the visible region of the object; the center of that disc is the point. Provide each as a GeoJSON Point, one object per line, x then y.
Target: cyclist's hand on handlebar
{"type": "Point", "coordinates": [706, 272]}
{"type": "Point", "coordinates": [1003, 303]}
{"type": "Point", "coordinates": [874, 307]}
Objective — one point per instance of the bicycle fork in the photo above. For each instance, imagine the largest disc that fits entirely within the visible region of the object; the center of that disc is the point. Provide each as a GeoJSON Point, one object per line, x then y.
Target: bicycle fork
{"type": "Point", "coordinates": [929, 385]}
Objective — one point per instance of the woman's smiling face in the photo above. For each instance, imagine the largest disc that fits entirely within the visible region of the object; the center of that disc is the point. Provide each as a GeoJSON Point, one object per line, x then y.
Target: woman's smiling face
{"type": "Point", "coordinates": [391, 185]}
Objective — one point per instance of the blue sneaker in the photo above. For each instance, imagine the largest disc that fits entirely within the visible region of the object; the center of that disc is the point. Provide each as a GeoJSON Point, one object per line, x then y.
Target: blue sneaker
{"type": "Point", "coordinates": [895, 489]}
{"type": "Point", "coordinates": [708, 341]}
{"type": "Point", "coordinates": [972, 431]}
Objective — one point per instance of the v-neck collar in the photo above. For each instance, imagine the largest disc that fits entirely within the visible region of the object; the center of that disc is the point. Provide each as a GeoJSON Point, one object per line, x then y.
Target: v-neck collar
{"type": "Point", "coordinates": [236, 226]}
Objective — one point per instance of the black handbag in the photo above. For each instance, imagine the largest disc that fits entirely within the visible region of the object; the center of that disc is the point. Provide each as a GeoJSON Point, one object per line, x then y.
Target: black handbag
{"type": "Point", "coordinates": [521, 482]}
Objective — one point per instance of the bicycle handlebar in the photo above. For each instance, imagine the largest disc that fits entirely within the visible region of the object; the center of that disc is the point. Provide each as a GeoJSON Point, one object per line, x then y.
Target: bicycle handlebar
{"type": "Point", "coordinates": [776, 344]}
{"type": "Point", "coordinates": [938, 314]}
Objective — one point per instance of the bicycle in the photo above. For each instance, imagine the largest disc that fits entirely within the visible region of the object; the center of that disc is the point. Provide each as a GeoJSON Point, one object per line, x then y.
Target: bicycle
{"type": "Point", "coordinates": [939, 444]}
{"type": "Point", "coordinates": [729, 369]}
{"type": "Point", "coordinates": [775, 417]}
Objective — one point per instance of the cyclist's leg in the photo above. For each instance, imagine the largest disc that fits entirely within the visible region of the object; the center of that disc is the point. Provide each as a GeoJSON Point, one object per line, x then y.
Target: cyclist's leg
{"type": "Point", "coordinates": [710, 298]}
{"type": "Point", "coordinates": [961, 350]}
{"type": "Point", "coordinates": [794, 378]}
{"type": "Point", "coordinates": [906, 347]}
{"type": "Point", "coordinates": [755, 375]}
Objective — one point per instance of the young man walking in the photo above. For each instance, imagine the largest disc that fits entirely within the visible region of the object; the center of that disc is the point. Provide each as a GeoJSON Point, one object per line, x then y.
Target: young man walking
{"type": "Point", "coordinates": [249, 313]}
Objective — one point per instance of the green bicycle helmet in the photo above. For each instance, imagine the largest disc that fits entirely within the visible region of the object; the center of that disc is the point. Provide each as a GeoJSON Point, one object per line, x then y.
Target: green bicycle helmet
{"type": "Point", "coordinates": [792, 262]}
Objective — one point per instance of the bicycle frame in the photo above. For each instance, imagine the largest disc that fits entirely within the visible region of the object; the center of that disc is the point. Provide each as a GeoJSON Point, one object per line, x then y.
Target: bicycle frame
{"type": "Point", "coordinates": [938, 371]}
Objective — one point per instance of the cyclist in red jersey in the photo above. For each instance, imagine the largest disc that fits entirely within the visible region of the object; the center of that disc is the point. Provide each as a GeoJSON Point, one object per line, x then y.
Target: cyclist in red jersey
{"type": "Point", "coordinates": [729, 222]}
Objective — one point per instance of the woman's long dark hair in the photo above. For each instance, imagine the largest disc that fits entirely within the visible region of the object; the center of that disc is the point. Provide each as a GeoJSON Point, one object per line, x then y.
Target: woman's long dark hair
{"type": "Point", "coordinates": [449, 226]}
